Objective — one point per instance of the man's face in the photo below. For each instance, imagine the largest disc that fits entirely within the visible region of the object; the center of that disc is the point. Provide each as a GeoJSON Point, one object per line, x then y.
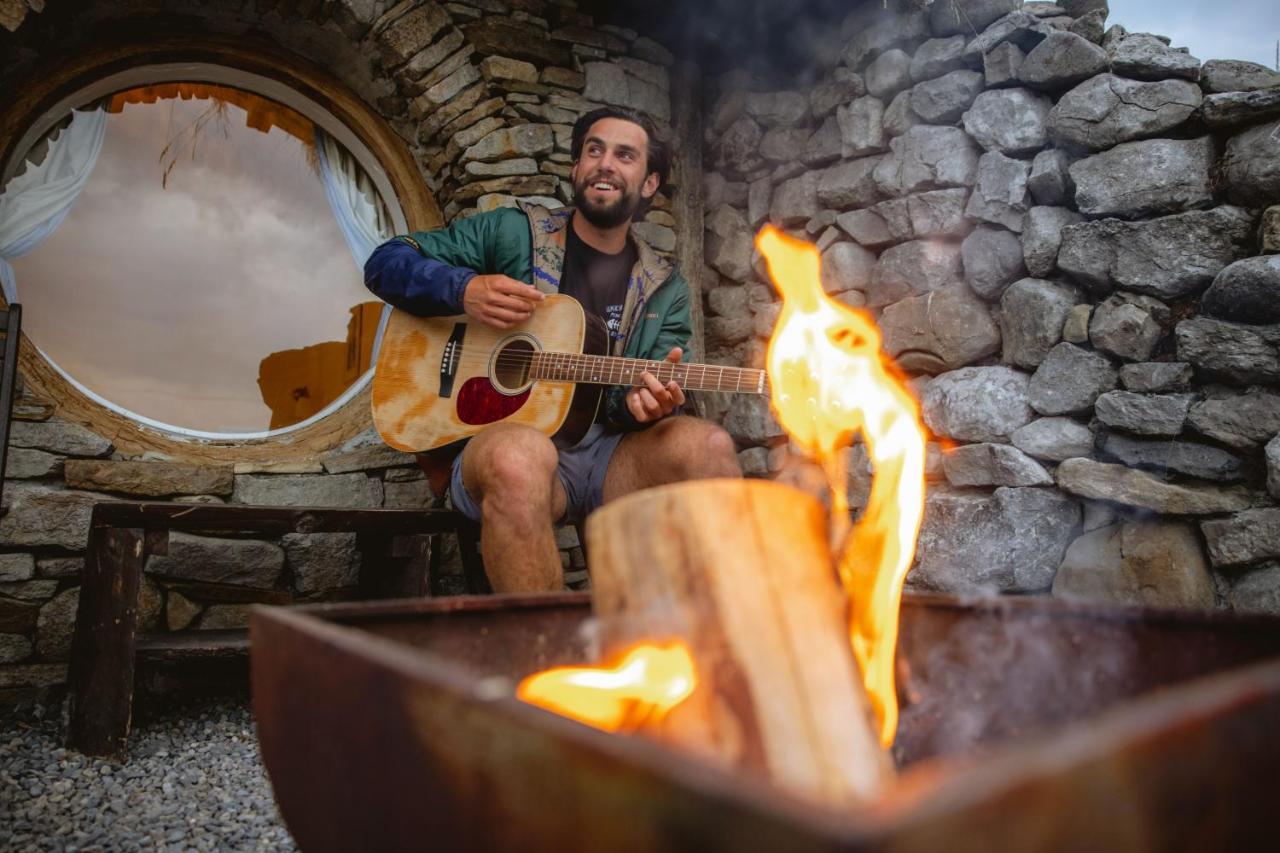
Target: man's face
{"type": "Point", "coordinates": [611, 174]}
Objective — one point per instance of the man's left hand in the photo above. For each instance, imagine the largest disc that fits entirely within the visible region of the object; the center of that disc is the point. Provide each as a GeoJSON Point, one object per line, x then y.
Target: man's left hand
{"type": "Point", "coordinates": [653, 400]}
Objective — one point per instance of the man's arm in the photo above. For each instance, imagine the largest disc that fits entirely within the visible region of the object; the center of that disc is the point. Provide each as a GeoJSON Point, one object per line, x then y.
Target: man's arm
{"type": "Point", "coordinates": [401, 275]}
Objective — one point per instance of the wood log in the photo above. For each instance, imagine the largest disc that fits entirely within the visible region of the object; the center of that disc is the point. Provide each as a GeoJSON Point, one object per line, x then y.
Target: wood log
{"type": "Point", "coordinates": [742, 572]}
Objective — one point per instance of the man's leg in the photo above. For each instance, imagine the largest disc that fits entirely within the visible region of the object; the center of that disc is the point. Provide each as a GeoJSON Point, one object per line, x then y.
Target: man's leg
{"type": "Point", "coordinates": [510, 472]}
{"type": "Point", "coordinates": [674, 449]}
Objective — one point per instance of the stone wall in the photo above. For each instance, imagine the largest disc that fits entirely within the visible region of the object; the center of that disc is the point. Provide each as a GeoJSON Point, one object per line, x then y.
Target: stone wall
{"type": "Point", "coordinates": [484, 93]}
{"type": "Point", "coordinates": [1067, 235]}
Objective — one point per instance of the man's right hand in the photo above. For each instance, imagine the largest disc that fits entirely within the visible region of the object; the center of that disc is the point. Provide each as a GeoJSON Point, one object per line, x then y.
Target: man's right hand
{"type": "Point", "coordinates": [499, 301]}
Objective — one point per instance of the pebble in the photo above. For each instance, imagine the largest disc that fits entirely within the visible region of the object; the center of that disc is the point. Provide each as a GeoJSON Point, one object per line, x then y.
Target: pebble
{"type": "Point", "coordinates": [193, 781]}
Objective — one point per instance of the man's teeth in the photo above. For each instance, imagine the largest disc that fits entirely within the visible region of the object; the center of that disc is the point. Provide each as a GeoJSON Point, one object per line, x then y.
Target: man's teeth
{"type": "Point", "coordinates": [603, 185]}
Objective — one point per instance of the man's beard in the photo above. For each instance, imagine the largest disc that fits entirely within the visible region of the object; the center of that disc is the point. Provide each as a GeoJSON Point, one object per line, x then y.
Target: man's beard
{"type": "Point", "coordinates": [609, 214]}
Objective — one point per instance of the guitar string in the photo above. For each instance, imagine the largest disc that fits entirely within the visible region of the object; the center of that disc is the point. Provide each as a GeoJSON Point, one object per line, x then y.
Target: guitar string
{"type": "Point", "coordinates": [575, 362]}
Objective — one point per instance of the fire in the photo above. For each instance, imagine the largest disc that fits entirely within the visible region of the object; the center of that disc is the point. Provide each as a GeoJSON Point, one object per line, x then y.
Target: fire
{"type": "Point", "coordinates": [828, 383]}
{"type": "Point", "coordinates": [638, 689]}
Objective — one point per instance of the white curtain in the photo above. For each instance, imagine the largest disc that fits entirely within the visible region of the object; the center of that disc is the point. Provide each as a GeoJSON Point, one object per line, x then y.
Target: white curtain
{"type": "Point", "coordinates": [36, 202]}
{"type": "Point", "coordinates": [350, 192]}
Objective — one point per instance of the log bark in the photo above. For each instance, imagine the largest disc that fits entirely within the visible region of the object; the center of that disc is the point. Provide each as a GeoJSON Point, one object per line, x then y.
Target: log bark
{"type": "Point", "coordinates": [741, 571]}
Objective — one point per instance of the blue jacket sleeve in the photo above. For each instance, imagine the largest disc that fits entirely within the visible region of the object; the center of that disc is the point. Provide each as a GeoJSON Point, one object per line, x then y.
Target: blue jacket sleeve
{"type": "Point", "coordinates": [399, 274]}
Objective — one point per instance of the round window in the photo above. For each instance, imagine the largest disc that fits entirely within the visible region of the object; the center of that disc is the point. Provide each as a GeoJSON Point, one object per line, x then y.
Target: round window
{"type": "Point", "coordinates": [188, 252]}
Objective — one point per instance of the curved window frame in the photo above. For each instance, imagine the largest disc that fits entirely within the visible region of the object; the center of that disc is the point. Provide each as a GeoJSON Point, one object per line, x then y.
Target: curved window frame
{"type": "Point", "coordinates": [266, 71]}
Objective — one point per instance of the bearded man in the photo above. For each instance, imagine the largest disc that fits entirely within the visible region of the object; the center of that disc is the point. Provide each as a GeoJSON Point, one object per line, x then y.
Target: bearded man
{"type": "Point", "coordinates": [497, 268]}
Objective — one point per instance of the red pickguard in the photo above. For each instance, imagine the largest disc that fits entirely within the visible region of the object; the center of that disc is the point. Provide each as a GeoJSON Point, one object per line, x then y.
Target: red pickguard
{"type": "Point", "coordinates": [479, 403]}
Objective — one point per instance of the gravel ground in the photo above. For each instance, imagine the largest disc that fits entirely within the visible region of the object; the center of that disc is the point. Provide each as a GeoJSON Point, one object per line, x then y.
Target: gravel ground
{"type": "Point", "coordinates": [194, 781]}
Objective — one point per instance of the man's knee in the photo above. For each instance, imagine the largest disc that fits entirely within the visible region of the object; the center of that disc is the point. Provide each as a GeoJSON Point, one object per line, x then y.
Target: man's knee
{"type": "Point", "coordinates": [513, 460]}
{"type": "Point", "coordinates": [700, 448]}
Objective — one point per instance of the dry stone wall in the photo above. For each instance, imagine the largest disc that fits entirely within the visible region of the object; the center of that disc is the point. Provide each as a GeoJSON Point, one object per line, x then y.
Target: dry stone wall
{"type": "Point", "coordinates": [484, 93]}
{"type": "Point", "coordinates": [1068, 236]}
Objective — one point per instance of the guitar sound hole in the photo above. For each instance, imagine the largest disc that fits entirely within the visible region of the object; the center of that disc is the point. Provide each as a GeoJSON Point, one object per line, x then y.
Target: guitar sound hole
{"type": "Point", "coordinates": [511, 364]}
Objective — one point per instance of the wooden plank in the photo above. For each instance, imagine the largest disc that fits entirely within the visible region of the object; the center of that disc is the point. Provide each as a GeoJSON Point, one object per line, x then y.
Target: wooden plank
{"type": "Point", "coordinates": [102, 649]}
{"type": "Point", "coordinates": [271, 519]}
{"type": "Point", "coordinates": [184, 645]}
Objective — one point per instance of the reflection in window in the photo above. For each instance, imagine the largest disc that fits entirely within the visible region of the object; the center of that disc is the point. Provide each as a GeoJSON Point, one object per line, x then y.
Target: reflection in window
{"type": "Point", "coordinates": [205, 274]}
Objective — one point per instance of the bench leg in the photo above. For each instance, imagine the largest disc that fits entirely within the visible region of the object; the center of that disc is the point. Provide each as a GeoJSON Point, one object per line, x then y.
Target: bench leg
{"type": "Point", "coordinates": [102, 648]}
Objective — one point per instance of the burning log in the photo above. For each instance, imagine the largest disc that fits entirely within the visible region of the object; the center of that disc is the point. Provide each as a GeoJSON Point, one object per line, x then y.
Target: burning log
{"type": "Point", "coordinates": [741, 571]}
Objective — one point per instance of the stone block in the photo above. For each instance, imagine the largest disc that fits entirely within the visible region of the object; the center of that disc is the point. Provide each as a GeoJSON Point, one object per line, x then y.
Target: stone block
{"type": "Point", "coordinates": [16, 567]}
{"type": "Point", "coordinates": [525, 140]}
{"type": "Point", "coordinates": [1108, 110]}
{"type": "Point", "coordinates": [925, 158]}
{"type": "Point", "coordinates": [1156, 376]}
{"type": "Point", "coordinates": [1032, 314]}
{"type": "Point", "coordinates": [965, 17]}
{"type": "Point", "coordinates": [940, 213]}
{"type": "Point", "coordinates": [1181, 457]}
{"type": "Point", "coordinates": [889, 74]}
{"type": "Point", "coordinates": [1069, 380]}
{"type": "Point", "coordinates": [23, 463]}
{"type": "Point", "coordinates": [993, 259]}
{"type": "Point", "coordinates": [1050, 179]}
{"type": "Point", "coordinates": [1248, 291]}
{"type": "Point", "coordinates": [1010, 121]}
{"type": "Point", "coordinates": [1054, 439]}
{"type": "Point", "coordinates": [846, 266]}
{"type": "Point", "coordinates": [322, 561]}
{"type": "Point", "coordinates": [338, 490]}
{"type": "Point", "coordinates": [1061, 61]}
{"type": "Point", "coordinates": [1269, 231]}
{"type": "Point", "coordinates": [1076, 328]}
{"type": "Point", "coordinates": [1145, 178]}
{"type": "Point", "coordinates": [56, 624]}
{"type": "Point", "coordinates": [1232, 75]}
{"type": "Point", "coordinates": [1242, 421]}
{"type": "Point", "coordinates": [1144, 414]}
{"type": "Point", "coordinates": [977, 404]}
{"type": "Point", "coordinates": [1000, 195]}
{"type": "Point", "coordinates": [1127, 326]}
{"type": "Point", "coordinates": [939, 331]}
{"type": "Point", "coordinates": [944, 99]}
{"type": "Point", "coordinates": [1238, 109]}
{"type": "Point", "coordinates": [993, 465]}
{"type": "Point", "coordinates": [58, 437]}
{"type": "Point", "coordinates": [148, 479]}
{"type": "Point", "coordinates": [1120, 484]}
{"type": "Point", "coordinates": [1145, 564]}
{"type": "Point", "coordinates": [920, 266]}
{"type": "Point", "coordinates": [1247, 538]}
{"type": "Point", "coordinates": [1001, 65]}
{"type": "Point", "coordinates": [861, 124]}
{"type": "Point", "coordinates": [242, 562]}
{"type": "Point", "coordinates": [795, 201]}
{"type": "Point", "coordinates": [772, 109]}
{"type": "Point", "coordinates": [1146, 57]}
{"type": "Point", "coordinates": [898, 116]}
{"type": "Point", "coordinates": [937, 57]}
{"type": "Point", "coordinates": [1042, 237]}
{"type": "Point", "coordinates": [39, 515]}
{"type": "Point", "coordinates": [1232, 352]}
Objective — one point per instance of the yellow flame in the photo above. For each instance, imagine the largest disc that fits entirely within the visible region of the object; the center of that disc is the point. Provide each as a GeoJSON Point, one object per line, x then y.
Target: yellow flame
{"type": "Point", "coordinates": [638, 689]}
{"type": "Point", "coordinates": [827, 383]}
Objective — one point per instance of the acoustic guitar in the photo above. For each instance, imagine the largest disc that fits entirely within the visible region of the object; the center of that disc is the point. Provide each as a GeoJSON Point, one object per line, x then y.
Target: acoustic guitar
{"type": "Point", "coordinates": [440, 380]}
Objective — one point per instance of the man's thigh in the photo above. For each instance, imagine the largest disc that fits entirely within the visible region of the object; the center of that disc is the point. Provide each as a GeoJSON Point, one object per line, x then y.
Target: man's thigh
{"type": "Point", "coordinates": [654, 456]}
{"type": "Point", "coordinates": [500, 458]}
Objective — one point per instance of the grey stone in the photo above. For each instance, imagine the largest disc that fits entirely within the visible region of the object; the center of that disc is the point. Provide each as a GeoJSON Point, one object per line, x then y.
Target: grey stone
{"type": "Point", "coordinates": [23, 463]}
{"type": "Point", "coordinates": [889, 74]}
{"type": "Point", "coordinates": [827, 95]}
{"type": "Point", "coordinates": [928, 157]}
{"type": "Point", "coordinates": [336, 490]}
{"type": "Point", "coordinates": [1091, 26]}
{"type": "Point", "coordinates": [795, 201]}
{"type": "Point", "coordinates": [977, 403]}
{"type": "Point", "coordinates": [1000, 195]}
{"type": "Point", "coordinates": [1181, 457]}
{"type": "Point", "coordinates": [896, 214]}
{"type": "Point", "coordinates": [1145, 178]}
{"type": "Point", "coordinates": [1168, 258]}
{"type": "Point", "coordinates": [937, 57]}
{"type": "Point", "coordinates": [1032, 312]}
{"type": "Point", "coordinates": [1245, 421]}
{"type": "Point", "coordinates": [939, 331]}
{"type": "Point", "coordinates": [728, 243]}
{"type": "Point", "coordinates": [1120, 484]}
{"type": "Point", "coordinates": [938, 214]}
{"type": "Point", "coordinates": [1107, 110]}
{"type": "Point", "coordinates": [1021, 28]}
{"type": "Point", "coordinates": [992, 261]}
{"type": "Point", "coordinates": [1233, 75]}
{"type": "Point", "coordinates": [244, 562]}
{"type": "Point", "coordinates": [1011, 121]}
{"type": "Point", "coordinates": [1061, 61]}
{"type": "Point", "coordinates": [1050, 180]}
{"type": "Point", "coordinates": [772, 109]}
{"type": "Point", "coordinates": [849, 184]}
{"type": "Point", "coordinates": [1148, 564]}
{"type": "Point", "coordinates": [759, 197]}
{"type": "Point", "coordinates": [1054, 439]}
{"type": "Point", "coordinates": [14, 648]}
{"type": "Point", "coordinates": [224, 617]}
{"type": "Point", "coordinates": [912, 268]}
{"type": "Point", "coordinates": [968, 17]}
{"type": "Point", "coordinates": [148, 479]}
{"type": "Point", "coordinates": [1076, 328]}
{"type": "Point", "coordinates": [59, 437]}
{"type": "Point", "coordinates": [1156, 376]}
{"type": "Point", "coordinates": [1269, 231]}
{"type": "Point", "coordinates": [1251, 166]}
{"type": "Point", "coordinates": [60, 567]}
{"type": "Point", "coordinates": [867, 227]}
{"type": "Point", "coordinates": [1246, 538]}
{"type": "Point", "coordinates": [1010, 541]}
{"type": "Point", "coordinates": [1272, 452]}
{"type": "Point", "coordinates": [824, 146]}
{"type": "Point", "coordinates": [1069, 380]}
{"type": "Point", "coordinates": [1234, 109]}
{"type": "Point", "coordinates": [1256, 591]}
{"type": "Point", "coordinates": [1126, 326]}
{"type": "Point", "coordinates": [780, 144]}
{"type": "Point", "coordinates": [503, 168]}
{"type": "Point", "coordinates": [1246, 292]}
{"type": "Point", "coordinates": [1230, 351]}
{"type": "Point", "coordinates": [322, 561]}
{"type": "Point", "coordinates": [1144, 414]}
{"type": "Point", "coordinates": [862, 127]}
{"type": "Point", "coordinates": [1145, 57]}
{"type": "Point", "coordinates": [408, 494]}
{"type": "Point", "coordinates": [411, 33]}
{"type": "Point", "coordinates": [39, 515]}
{"type": "Point", "coordinates": [993, 465]}
{"type": "Point", "coordinates": [739, 146]}
{"type": "Point", "coordinates": [751, 423]}
{"type": "Point", "coordinates": [56, 624]}
{"type": "Point", "coordinates": [525, 140]}
{"type": "Point", "coordinates": [37, 591]}
{"type": "Point", "coordinates": [945, 99]}
{"type": "Point", "coordinates": [898, 116]}
{"type": "Point", "coordinates": [1001, 65]}
{"type": "Point", "coordinates": [872, 29]}
{"type": "Point", "coordinates": [1042, 237]}
{"type": "Point", "coordinates": [16, 567]}
{"type": "Point", "coordinates": [846, 266]}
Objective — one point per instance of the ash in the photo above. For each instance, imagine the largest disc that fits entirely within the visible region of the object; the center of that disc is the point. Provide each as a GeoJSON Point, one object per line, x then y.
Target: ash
{"type": "Point", "coordinates": [194, 780]}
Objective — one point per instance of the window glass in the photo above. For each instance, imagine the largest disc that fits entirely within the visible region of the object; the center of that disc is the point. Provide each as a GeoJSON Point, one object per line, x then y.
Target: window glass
{"type": "Point", "coordinates": [201, 279]}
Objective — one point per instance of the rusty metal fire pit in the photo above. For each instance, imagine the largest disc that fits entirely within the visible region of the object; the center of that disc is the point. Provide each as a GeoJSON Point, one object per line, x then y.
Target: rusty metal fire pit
{"type": "Point", "coordinates": [1027, 724]}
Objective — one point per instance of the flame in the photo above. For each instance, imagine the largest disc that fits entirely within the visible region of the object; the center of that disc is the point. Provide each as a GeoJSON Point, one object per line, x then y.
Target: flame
{"type": "Point", "coordinates": [827, 383]}
{"type": "Point", "coordinates": [639, 688]}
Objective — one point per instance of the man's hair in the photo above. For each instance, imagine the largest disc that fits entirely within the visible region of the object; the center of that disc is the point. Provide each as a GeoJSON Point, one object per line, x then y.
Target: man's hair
{"type": "Point", "coordinates": [659, 152]}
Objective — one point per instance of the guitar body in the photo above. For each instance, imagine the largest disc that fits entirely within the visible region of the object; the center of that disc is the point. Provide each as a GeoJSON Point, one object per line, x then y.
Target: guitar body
{"type": "Point", "coordinates": [440, 380]}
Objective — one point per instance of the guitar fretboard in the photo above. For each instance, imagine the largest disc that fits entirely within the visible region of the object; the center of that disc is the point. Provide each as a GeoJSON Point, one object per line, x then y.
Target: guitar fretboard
{"type": "Point", "coordinates": [610, 370]}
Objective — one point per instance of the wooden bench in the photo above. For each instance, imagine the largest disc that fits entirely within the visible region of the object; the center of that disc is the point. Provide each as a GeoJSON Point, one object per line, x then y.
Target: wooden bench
{"type": "Point", "coordinates": [106, 643]}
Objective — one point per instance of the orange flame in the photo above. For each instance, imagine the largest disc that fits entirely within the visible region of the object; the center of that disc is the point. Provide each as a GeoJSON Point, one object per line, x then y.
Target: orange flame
{"type": "Point", "coordinates": [827, 383]}
{"type": "Point", "coordinates": [639, 688]}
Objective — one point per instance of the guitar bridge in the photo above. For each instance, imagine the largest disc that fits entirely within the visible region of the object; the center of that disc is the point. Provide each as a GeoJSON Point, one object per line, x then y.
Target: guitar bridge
{"type": "Point", "coordinates": [450, 359]}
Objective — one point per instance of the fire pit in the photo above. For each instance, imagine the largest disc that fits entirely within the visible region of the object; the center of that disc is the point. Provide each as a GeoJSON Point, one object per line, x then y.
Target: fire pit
{"type": "Point", "coordinates": [1025, 724]}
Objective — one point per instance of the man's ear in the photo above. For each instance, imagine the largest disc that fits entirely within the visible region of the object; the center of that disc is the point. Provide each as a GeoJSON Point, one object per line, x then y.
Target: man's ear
{"type": "Point", "coordinates": [650, 186]}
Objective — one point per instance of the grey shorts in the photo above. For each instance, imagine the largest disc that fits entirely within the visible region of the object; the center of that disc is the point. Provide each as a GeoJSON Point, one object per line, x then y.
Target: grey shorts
{"type": "Point", "coordinates": [581, 471]}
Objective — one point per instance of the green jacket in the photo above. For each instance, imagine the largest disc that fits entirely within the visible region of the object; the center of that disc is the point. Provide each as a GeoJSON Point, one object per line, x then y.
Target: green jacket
{"type": "Point", "coordinates": [528, 244]}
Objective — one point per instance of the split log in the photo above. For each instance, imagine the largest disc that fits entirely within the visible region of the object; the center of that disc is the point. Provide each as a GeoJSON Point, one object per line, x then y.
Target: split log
{"type": "Point", "coordinates": [742, 572]}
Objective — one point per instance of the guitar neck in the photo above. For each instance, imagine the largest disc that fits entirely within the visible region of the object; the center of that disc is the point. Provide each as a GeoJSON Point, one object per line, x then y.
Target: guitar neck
{"type": "Point", "coordinates": [610, 370]}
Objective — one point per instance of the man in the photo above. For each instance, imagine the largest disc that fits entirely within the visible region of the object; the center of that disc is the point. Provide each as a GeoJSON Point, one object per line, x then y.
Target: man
{"type": "Point", "coordinates": [497, 268]}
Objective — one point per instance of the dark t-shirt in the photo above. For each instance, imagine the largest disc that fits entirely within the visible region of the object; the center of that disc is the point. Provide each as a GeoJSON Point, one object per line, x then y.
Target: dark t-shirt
{"type": "Point", "coordinates": [597, 280]}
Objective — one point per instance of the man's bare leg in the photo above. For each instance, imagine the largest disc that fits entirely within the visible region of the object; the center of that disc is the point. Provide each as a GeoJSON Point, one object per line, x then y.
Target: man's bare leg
{"type": "Point", "coordinates": [672, 450]}
{"type": "Point", "coordinates": [510, 472]}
